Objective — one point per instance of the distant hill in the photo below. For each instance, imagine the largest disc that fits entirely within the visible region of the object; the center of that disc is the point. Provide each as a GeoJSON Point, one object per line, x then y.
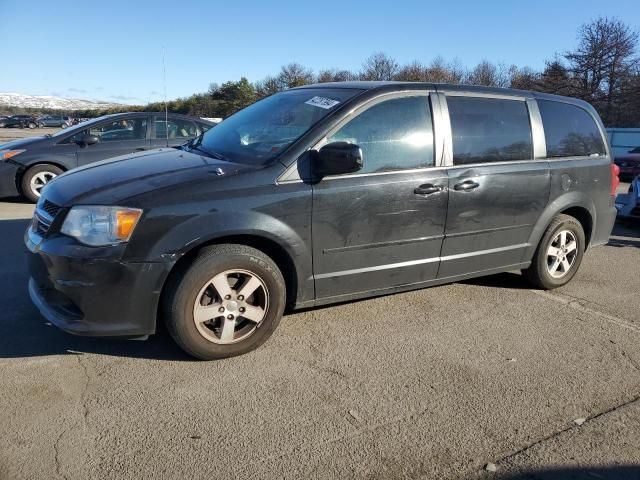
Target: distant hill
{"type": "Point", "coordinates": [51, 102]}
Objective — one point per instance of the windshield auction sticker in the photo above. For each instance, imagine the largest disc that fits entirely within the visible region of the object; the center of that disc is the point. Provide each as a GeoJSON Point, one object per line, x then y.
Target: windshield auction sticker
{"type": "Point", "coordinates": [322, 102]}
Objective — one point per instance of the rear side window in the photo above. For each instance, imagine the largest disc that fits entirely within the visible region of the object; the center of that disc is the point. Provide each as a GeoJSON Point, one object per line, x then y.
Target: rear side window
{"type": "Point", "coordinates": [395, 134]}
{"type": "Point", "coordinates": [175, 128]}
{"type": "Point", "coordinates": [489, 130]}
{"type": "Point", "coordinates": [569, 131]}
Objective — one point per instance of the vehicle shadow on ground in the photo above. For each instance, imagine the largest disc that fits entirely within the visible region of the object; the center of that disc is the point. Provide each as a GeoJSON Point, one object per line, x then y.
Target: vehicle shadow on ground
{"type": "Point", "coordinates": [25, 333]}
{"type": "Point", "coordinates": [626, 233]}
{"type": "Point", "coordinates": [618, 472]}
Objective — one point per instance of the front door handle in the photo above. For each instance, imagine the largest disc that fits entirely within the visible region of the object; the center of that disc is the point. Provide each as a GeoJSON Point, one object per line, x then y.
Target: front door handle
{"type": "Point", "coordinates": [466, 186]}
{"type": "Point", "coordinates": [428, 189]}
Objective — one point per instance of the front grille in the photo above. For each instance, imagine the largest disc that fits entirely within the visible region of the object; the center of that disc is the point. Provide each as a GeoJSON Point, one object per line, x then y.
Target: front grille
{"type": "Point", "coordinates": [44, 216]}
{"type": "Point", "coordinates": [51, 208]}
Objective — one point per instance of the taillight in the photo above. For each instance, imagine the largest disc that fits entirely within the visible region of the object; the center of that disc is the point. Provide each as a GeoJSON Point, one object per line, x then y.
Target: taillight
{"type": "Point", "coordinates": [615, 180]}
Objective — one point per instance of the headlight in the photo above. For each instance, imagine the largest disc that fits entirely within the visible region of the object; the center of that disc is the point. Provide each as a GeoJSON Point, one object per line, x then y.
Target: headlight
{"type": "Point", "coordinates": [7, 154]}
{"type": "Point", "coordinates": [100, 226]}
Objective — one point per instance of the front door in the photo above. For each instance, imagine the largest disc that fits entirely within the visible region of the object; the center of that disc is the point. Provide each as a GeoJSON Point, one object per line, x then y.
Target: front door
{"type": "Point", "coordinates": [497, 190]}
{"type": "Point", "coordinates": [116, 137]}
{"type": "Point", "coordinates": [381, 227]}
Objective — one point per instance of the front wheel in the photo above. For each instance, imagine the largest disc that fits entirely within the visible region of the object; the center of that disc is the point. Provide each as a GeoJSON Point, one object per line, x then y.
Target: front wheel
{"type": "Point", "coordinates": [226, 303]}
{"type": "Point", "coordinates": [32, 125]}
{"type": "Point", "coordinates": [36, 178]}
{"type": "Point", "coordinates": [558, 255]}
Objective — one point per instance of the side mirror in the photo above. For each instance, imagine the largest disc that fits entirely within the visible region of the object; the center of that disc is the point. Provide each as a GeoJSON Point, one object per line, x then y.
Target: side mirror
{"type": "Point", "coordinates": [88, 139]}
{"type": "Point", "coordinates": [337, 158]}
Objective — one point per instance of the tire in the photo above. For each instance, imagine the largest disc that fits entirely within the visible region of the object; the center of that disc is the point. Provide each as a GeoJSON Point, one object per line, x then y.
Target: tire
{"type": "Point", "coordinates": [191, 296]}
{"type": "Point", "coordinates": [32, 125]}
{"type": "Point", "coordinates": [541, 272]}
{"type": "Point", "coordinates": [63, 126]}
{"type": "Point", "coordinates": [36, 178]}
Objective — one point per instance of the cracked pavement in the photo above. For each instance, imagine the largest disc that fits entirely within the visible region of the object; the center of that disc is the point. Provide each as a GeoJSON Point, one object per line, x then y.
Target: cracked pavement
{"type": "Point", "coordinates": [434, 383]}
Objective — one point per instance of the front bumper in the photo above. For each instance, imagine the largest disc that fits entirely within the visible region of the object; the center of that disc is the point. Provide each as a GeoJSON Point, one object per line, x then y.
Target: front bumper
{"type": "Point", "coordinates": [8, 176]}
{"type": "Point", "coordinates": [90, 291]}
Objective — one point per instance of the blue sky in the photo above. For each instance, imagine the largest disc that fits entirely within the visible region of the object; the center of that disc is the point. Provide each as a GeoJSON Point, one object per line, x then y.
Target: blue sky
{"type": "Point", "coordinates": [112, 49]}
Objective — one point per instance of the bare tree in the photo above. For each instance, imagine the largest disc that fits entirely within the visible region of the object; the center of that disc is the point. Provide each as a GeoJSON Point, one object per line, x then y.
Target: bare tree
{"type": "Point", "coordinates": [440, 71]}
{"type": "Point", "coordinates": [412, 72]}
{"type": "Point", "coordinates": [335, 75]}
{"type": "Point", "coordinates": [267, 86]}
{"type": "Point", "coordinates": [603, 61]}
{"type": "Point", "coordinates": [379, 66]}
{"type": "Point", "coordinates": [294, 75]}
{"type": "Point", "coordinates": [523, 78]}
{"type": "Point", "coordinates": [489, 74]}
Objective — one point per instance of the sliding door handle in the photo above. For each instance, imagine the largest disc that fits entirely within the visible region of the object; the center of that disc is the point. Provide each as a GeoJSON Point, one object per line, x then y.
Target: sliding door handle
{"type": "Point", "coordinates": [466, 186]}
{"type": "Point", "coordinates": [428, 189]}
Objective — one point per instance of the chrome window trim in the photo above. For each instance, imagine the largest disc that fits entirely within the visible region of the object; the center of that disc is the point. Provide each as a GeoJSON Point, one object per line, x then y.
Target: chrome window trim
{"type": "Point", "coordinates": [471, 93]}
{"type": "Point", "coordinates": [389, 172]}
{"type": "Point", "coordinates": [537, 130]}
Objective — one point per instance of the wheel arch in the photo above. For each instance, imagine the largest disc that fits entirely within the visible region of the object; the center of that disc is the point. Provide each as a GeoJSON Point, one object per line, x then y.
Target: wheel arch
{"type": "Point", "coordinates": [574, 204]}
{"type": "Point", "coordinates": [277, 252]}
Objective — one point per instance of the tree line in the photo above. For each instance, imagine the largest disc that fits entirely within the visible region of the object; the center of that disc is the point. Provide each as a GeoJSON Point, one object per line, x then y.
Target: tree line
{"type": "Point", "coordinates": [603, 69]}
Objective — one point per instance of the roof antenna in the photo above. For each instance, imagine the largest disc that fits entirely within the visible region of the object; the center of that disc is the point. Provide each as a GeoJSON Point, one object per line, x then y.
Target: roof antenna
{"type": "Point", "coordinates": [166, 108]}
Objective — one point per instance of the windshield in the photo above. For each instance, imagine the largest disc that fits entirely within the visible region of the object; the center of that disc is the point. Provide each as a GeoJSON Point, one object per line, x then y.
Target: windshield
{"type": "Point", "coordinates": [260, 132]}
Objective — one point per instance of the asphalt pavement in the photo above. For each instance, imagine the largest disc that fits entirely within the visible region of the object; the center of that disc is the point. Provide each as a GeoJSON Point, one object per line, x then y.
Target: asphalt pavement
{"type": "Point", "coordinates": [435, 383]}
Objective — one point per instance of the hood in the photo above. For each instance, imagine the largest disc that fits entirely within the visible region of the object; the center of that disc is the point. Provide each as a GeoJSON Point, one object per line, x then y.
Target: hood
{"type": "Point", "coordinates": [115, 180]}
{"type": "Point", "coordinates": [22, 143]}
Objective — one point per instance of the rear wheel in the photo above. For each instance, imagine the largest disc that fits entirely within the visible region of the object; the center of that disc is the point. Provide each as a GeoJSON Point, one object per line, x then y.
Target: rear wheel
{"type": "Point", "coordinates": [36, 178]}
{"type": "Point", "coordinates": [228, 302]}
{"type": "Point", "coordinates": [32, 125]}
{"type": "Point", "coordinates": [558, 255]}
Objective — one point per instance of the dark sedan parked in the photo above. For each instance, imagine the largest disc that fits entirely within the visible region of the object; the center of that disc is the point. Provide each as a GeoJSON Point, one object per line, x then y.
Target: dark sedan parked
{"type": "Point", "coordinates": [19, 121]}
{"type": "Point", "coordinates": [629, 164]}
{"type": "Point", "coordinates": [27, 165]}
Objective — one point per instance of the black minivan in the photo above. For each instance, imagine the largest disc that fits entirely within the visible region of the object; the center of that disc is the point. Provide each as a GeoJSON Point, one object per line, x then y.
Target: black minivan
{"type": "Point", "coordinates": [317, 195]}
{"type": "Point", "coordinates": [28, 164]}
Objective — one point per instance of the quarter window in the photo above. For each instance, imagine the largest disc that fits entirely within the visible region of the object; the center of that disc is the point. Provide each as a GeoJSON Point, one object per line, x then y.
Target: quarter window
{"type": "Point", "coordinates": [395, 134]}
{"type": "Point", "coordinates": [569, 131]}
{"type": "Point", "coordinates": [489, 130]}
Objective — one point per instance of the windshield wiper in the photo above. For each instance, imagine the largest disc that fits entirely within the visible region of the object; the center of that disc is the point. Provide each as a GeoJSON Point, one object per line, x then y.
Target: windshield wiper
{"type": "Point", "coordinates": [209, 153]}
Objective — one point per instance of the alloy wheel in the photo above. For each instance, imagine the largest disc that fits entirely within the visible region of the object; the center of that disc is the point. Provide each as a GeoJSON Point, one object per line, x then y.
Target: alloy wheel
{"type": "Point", "coordinates": [562, 253]}
{"type": "Point", "coordinates": [39, 180]}
{"type": "Point", "coordinates": [230, 306]}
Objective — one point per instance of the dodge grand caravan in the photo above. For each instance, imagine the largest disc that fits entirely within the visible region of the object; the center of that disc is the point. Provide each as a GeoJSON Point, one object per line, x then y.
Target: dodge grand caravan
{"type": "Point", "coordinates": [316, 195]}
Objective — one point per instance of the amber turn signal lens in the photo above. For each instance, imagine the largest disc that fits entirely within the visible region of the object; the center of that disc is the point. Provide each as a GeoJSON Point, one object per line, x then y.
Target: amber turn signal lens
{"type": "Point", "coordinates": [125, 223]}
{"type": "Point", "coordinates": [10, 153]}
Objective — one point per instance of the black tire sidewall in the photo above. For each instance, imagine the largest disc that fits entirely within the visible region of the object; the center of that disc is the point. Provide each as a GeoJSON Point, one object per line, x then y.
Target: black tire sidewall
{"type": "Point", "coordinates": [567, 223]}
{"type": "Point", "coordinates": [179, 311]}
{"type": "Point", "coordinates": [26, 179]}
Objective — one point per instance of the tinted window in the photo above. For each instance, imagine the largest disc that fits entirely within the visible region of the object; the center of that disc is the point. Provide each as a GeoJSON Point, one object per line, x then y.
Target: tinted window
{"type": "Point", "coordinates": [393, 135]}
{"type": "Point", "coordinates": [489, 130]}
{"type": "Point", "coordinates": [119, 130]}
{"type": "Point", "coordinates": [569, 130]}
{"type": "Point", "coordinates": [177, 128]}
